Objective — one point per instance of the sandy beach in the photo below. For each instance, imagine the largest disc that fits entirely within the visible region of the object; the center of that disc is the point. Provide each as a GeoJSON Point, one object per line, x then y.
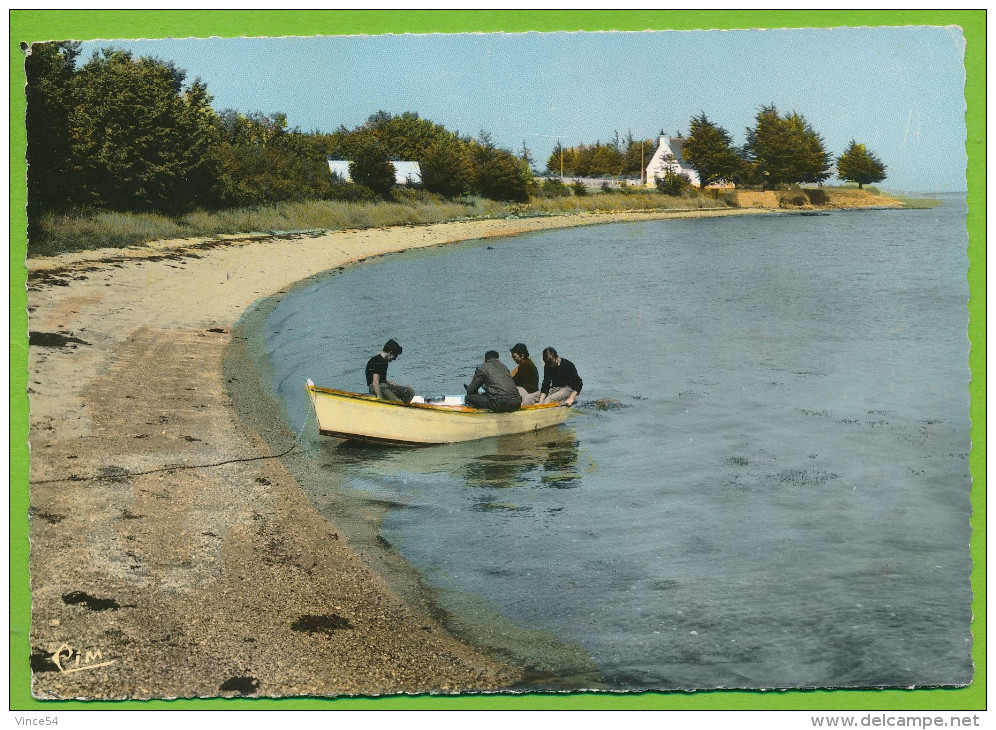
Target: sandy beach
{"type": "Point", "coordinates": [171, 554]}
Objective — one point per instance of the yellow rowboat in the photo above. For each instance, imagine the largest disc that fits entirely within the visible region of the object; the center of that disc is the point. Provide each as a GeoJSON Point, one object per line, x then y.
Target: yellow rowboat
{"type": "Point", "coordinates": [363, 417]}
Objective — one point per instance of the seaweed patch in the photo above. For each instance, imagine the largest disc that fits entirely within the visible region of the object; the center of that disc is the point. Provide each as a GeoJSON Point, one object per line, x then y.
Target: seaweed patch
{"type": "Point", "coordinates": [76, 598]}
{"type": "Point", "coordinates": [321, 624]}
{"type": "Point", "coordinates": [240, 685]}
{"type": "Point", "coordinates": [54, 339]}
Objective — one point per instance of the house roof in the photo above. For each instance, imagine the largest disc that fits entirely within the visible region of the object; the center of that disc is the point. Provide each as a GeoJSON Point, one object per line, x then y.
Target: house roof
{"type": "Point", "coordinates": [676, 144]}
{"type": "Point", "coordinates": [671, 146]}
{"type": "Point", "coordinates": [405, 171]}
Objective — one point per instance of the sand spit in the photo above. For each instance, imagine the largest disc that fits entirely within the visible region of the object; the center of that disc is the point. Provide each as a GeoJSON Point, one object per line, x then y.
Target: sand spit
{"type": "Point", "coordinates": [170, 557]}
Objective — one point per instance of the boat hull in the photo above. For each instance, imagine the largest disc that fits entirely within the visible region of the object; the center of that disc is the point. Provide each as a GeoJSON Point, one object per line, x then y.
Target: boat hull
{"type": "Point", "coordinates": [362, 417]}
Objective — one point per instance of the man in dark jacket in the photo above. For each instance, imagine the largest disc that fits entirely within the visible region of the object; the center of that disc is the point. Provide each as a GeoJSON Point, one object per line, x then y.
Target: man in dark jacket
{"type": "Point", "coordinates": [500, 393]}
{"type": "Point", "coordinates": [561, 381]}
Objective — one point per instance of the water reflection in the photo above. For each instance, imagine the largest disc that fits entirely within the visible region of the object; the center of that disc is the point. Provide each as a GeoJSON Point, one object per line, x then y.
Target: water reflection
{"type": "Point", "coordinates": [546, 458]}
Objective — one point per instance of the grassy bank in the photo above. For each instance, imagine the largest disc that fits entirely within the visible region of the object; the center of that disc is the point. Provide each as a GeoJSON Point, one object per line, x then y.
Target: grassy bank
{"type": "Point", "coordinates": [83, 231]}
{"type": "Point", "coordinates": [918, 203]}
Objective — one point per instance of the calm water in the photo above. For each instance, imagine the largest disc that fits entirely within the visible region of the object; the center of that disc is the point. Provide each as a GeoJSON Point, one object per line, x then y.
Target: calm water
{"type": "Point", "coordinates": [766, 483]}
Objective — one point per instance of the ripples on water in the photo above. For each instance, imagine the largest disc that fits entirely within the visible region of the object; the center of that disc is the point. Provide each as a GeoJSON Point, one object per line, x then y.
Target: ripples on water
{"type": "Point", "coordinates": [766, 483]}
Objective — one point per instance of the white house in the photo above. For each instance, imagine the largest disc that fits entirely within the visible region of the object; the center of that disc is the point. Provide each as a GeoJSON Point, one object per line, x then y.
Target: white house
{"type": "Point", "coordinates": [405, 173]}
{"type": "Point", "coordinates": [668, 156]}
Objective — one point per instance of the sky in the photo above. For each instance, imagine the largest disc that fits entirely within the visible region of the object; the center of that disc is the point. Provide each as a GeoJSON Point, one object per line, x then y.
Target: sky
{"type": "Point", "coordinates": [898, 90]}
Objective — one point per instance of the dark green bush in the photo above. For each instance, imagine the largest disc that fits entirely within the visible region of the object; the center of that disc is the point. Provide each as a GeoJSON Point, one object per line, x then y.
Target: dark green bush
{"type": "Point", "coordinates": [553, 189]}
{"type": "Point", "coordinates": [673, 184]}
{"type": "Point", "coordinates": [792, 198]}
{"type": "Point", "coordinates": [372, 168]}
{"type": "Point", "coordinates": [352, 193]}
{"type": "Point", "coordinates": [579, 189]}
{"type": "Point", "coordinates": [726, 195]}
{"type": "Point", "coordinates": [817, 196]}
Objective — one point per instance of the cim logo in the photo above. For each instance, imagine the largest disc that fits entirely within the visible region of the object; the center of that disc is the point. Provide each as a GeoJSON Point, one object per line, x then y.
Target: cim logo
{"type": "Point", "coordinates": [69, 660]}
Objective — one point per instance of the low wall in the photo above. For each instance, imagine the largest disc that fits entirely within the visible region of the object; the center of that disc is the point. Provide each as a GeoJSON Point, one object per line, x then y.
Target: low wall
{"type": "Point", "coordinates": [814, 198]}
{"type": "Point", "coordinates": [757, 199]}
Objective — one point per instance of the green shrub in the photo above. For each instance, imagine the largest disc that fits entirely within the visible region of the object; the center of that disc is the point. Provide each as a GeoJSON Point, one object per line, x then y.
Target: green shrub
{"type": "Point", "coordinates": [352, 192]}
{"type": "Point", "coordinates": [673, 184]}
{"type": "Point", "coordinates": [792, 198]}
{"type": "Point", "coordinates": [727, 196]}
{"type": "Point", "coordinates": [817, 196]}
{"type": "Point", "coordinates": [579, 189]}
{"type": "Point", "coordinates": [372, 168]}
{"type": "Point", "coordinates": [553, 189]}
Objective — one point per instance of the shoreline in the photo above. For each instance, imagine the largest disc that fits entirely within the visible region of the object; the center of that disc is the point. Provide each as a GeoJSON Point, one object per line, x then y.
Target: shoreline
{"type": "Point", "coordinates": [161, 523]}
{"type": "Point", "coordinates": [546, 662]}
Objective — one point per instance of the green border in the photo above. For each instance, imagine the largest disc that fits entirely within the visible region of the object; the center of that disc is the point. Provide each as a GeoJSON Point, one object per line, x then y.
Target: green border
{"type": "Point", "coordinates": [37, 25]}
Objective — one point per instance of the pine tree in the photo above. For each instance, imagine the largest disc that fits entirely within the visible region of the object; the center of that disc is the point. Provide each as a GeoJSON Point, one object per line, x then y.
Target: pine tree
{"type": "Point", "coordinates": [709, 149]}
{"type": "Point", "coordinates": [372, 169]}
{"type": "Point", "coordinates": [785, 150]}
{"type": "Point", "coordinates": [447, 168]}
{"type": "Point", "coordinates": [859, 165]}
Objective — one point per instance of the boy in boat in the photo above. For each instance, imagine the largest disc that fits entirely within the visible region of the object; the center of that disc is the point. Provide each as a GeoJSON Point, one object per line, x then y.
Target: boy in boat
{"type": "Point", "coordinates": [500, 393]}
{"type": "Point", "coordinates": [377, 380]}
{"type": "Point", "coordinates": [525, 375]}
{"type": "Point", "coordinates": [561, 382]}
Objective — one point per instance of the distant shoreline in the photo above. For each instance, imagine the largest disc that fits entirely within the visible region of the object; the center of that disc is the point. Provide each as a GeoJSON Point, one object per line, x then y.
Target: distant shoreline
{"type": "Point", "coordinates": [490, 227]}
{"type": "Point", "coordinates": [80, 233]}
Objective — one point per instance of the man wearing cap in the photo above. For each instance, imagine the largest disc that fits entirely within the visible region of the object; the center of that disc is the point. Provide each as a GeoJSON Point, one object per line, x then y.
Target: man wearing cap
{"type": "Point", "coordinates": [377, 380]}
{"type": "Point", "coordinates": [500, 394]}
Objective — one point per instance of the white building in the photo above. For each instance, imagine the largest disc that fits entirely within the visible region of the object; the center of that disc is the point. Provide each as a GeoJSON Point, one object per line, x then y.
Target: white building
{"type": "Point", "coordinates": [405, 173]}
{"type": "Point", "coordinates": [668, 156]}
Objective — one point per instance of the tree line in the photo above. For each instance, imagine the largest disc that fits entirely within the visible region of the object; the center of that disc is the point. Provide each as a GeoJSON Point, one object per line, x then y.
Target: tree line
{"type": "Point", "coordinates": [126, 133]}
{"type": "Point", "coordinates": [626, 157]}
{"type": "Point", "coordinates": [781, 150]}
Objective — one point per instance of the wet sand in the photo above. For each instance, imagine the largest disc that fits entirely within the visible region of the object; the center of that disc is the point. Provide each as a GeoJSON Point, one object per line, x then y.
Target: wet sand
{"type": "Point", "coordinates": [171, 554]}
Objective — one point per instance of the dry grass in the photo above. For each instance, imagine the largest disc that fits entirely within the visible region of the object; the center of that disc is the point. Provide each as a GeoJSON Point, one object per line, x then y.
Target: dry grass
{"type": "Point", "coordinates": [87, 231]}
{"type": "Point", "coordinates": [81, 232]}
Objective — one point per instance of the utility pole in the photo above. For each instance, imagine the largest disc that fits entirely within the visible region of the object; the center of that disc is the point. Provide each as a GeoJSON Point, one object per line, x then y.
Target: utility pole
{"type": "Point", "coordinates": [643, 167]}
{"type": "Point", "coordinates": [556, 137]}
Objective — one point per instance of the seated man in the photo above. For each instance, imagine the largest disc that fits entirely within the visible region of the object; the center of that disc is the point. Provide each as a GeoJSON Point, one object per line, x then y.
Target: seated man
{"type": "Point", "coordinates": [500, 393]}
{"type": "Point", "coordinates": [377, 380]}
{"type": "Point", "coordinates": [561, 381]}
{"type": "Point", "coordinates": [525, 375]}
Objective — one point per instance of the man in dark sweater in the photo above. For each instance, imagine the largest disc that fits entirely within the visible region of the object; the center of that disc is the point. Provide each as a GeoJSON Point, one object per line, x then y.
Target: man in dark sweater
{"type": "Point", "coordinates": [500, 393]}
{"type": "Point", "coordinates": [561, 382]}
{"type": "Point", "coordinates": [376, 373]}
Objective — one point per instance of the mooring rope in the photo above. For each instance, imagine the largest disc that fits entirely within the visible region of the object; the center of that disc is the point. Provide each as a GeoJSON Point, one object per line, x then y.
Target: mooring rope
{"type": "Point", "coordinates": [125, 474]}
